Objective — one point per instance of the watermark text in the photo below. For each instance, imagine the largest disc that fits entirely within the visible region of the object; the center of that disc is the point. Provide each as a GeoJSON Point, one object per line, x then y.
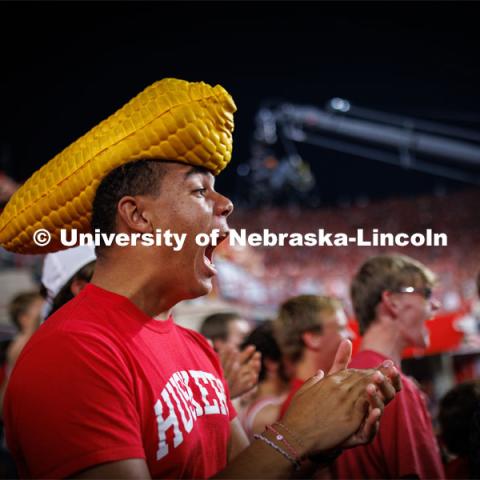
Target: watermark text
{"type": "Point", "coordinates": [241, 237]}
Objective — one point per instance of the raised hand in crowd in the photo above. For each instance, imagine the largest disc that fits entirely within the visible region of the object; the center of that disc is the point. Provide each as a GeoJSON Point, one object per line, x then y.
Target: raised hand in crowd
{"type": "Point", "coordinates": [240, 368]}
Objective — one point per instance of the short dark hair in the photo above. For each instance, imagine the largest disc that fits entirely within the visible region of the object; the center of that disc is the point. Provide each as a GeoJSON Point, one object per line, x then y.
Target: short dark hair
{"type": "Point", "coordinates": [20, 304]}
{"type": "Point", "coordinates": [459, 418]}
{"type": "Point", "coordinates": [215, 327]}
{"type": "Point", "coordinates": [380, 273]}
{"type": "Point", "coordinates": [142, 177]}
{"type": "Point", "coordinates": [264, 340]}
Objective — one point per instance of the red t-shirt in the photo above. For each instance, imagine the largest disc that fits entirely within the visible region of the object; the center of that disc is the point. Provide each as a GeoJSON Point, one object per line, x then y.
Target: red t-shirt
{"type": "Point", "coordinates": [405, 443]}
{"type": "Point", "coordinates": [101, 381]}
{"type": "Point", "coordinates": [295, 385]}
{"type": "Point", "coordinates": [458, 468]}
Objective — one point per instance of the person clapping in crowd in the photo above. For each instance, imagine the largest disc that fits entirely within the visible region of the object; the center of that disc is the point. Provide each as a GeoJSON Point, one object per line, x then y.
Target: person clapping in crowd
{"type": "Point", "coordinates": [309, 329]}
{"type": "Point", "coordinates": [226, 332]}
{"type": "Point", "coordinates": [263, 406]}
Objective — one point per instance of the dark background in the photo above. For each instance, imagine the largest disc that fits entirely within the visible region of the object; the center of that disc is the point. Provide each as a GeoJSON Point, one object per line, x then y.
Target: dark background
{"type": "Point", "coordinates": [68, 65]}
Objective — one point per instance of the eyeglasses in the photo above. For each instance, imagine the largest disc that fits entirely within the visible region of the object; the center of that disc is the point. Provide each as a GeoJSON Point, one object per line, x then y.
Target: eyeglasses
{"type": "Point", "coordinates": [426, 292]}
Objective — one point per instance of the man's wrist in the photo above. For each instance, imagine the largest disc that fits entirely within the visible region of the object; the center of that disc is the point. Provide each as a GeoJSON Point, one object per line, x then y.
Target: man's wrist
{"type": "Point", "coordinates": [293, 446]}
{"type": "Point", "coordinates": [326, 457]}
{"type": "Point", "coordinates": [292, 436]}
{"type": "Point", "coordinates": [278, 442]}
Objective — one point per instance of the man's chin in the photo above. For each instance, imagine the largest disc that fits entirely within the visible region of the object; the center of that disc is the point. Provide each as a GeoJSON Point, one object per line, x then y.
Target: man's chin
{"type": "Point", "coordinates": [202, 288]}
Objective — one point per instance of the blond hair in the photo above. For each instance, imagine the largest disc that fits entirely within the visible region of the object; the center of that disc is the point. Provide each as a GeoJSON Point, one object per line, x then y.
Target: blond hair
{"type": "Point", "coordinates": [299, 315]}
{"type": "Point", "coordinates": [381, 273]}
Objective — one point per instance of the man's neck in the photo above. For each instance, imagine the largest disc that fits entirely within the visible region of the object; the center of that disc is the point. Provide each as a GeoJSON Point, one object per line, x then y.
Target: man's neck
{"type": "Point", "coordinates": [136, 285]}
{"type": "Point", "coordinates": [272, 386]}
{"type": "Point", "coordinates": [29, 330]}
{"type": "Point", "coordinates": [382, 337]}
{"type": "Point", "coordinates": [309, 365]}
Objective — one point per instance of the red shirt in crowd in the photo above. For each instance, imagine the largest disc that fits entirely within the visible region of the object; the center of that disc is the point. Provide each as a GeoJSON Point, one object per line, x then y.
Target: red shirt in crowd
{"type": "Point", "coordinates": [101, 381]}
{"type": "Point", "coordinates": [405, 444]}
{"type": "Point", "coordinates": [295, 385]}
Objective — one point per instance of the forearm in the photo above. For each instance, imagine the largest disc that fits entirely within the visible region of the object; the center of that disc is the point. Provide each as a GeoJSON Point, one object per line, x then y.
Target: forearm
{"type": "Point", "coordinates": [259, 460]}
{"type": "Point", "coordinates": [267, 456]}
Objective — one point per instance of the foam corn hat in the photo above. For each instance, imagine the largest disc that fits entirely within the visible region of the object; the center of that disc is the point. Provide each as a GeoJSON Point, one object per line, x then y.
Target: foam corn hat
{"type": "Point", "coordinates": [191, 122]}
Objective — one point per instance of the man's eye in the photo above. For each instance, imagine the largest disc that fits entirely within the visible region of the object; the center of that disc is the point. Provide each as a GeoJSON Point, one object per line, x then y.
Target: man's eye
{"type": "Point", "coordinates": [200, 191]}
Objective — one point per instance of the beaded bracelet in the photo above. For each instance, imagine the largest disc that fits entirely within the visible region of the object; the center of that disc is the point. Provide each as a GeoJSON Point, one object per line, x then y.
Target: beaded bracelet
{"type": "Point", "coordinates": [320, 458]}
{"type": "Point", "coordinates": [296, 463]}
{"type": "Point", "coordinates": [293, 435]}
{"type": "Point", "coordinates": [281, 438]}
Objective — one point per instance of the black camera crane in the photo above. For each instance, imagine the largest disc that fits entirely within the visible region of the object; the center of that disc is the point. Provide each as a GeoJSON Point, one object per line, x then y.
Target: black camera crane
{"type": "Point", "coordinates": [425, 146]}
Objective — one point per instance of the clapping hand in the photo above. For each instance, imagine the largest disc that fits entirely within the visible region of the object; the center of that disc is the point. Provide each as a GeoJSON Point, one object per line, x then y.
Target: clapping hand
{"type": "Point", "coordinates": [343, 408]}
{"type": "Point", "coordinates": [241, 369]}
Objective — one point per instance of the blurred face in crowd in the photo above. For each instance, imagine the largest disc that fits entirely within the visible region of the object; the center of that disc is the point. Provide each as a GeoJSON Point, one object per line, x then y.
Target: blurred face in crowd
{"type": "Point", "coordinates": [326, 341]}
{"type": "Point", "coordinates": [335, 329]}
{"type": "Point", "coordinates": [31, 318]}
{"type": "Point", "coordinates": [414, 309]}
{"type": "Point", "coordinates": [238, 329]}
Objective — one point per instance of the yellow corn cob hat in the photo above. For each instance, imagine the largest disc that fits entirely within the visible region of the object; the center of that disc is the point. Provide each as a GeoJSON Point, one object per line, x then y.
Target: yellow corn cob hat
{"type": "Point", "coordinates": [172, 119]}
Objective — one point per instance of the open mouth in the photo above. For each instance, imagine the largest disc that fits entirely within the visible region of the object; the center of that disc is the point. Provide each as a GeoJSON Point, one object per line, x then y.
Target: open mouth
{"type": "Point", "coordinates": [209, 255]}
{"type": "Point", "coordinates": [209, 249]}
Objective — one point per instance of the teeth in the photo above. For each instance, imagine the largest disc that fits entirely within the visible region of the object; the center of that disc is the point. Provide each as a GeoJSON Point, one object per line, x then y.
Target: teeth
{"type": "Point", "coordinates": [209, 262]}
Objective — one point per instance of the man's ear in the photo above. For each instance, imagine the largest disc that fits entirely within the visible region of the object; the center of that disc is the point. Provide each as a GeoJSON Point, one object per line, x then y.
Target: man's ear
{"type": "Point", "coordinates": [390, 303]}
{"type": "Point", "coordinates": [218, 345]}
{"type": "Point", "coordinates": [22, 320]}
{"type": "Point", "coordinates": [131, 212]}
{"type": "Point", "coordinates": [312, 340]}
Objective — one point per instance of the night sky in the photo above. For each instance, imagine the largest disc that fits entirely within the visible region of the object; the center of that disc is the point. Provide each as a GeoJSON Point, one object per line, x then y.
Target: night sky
{"type": "Point", "coordinates": [66, 66]}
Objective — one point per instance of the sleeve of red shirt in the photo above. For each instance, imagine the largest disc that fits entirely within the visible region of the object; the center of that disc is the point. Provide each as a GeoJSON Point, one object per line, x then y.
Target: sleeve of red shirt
{"type": "Point", "coordinates": [215, 359]}
{"type": "Point", "coordinates": [72, 408]}
{"type": "Point", "coordinates": [232, 412]}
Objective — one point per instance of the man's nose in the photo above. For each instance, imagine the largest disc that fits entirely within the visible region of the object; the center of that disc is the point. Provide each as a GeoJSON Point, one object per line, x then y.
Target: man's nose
{"type": "Point", "coordinates": [224, 205]}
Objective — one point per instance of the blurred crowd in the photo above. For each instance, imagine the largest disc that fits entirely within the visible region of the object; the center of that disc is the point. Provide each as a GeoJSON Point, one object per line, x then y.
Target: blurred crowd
{"type": "Point", "coordinates": [268, 275]}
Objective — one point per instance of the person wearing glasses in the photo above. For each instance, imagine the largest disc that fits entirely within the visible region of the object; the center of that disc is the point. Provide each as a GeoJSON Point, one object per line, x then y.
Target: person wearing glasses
{"type": "Point", "coordinates": [392, 299]}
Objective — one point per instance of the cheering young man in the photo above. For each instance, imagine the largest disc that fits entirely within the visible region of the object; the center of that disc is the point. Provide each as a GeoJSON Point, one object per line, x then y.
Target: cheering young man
{"type": "Point", "coordinates": [110, 387]}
